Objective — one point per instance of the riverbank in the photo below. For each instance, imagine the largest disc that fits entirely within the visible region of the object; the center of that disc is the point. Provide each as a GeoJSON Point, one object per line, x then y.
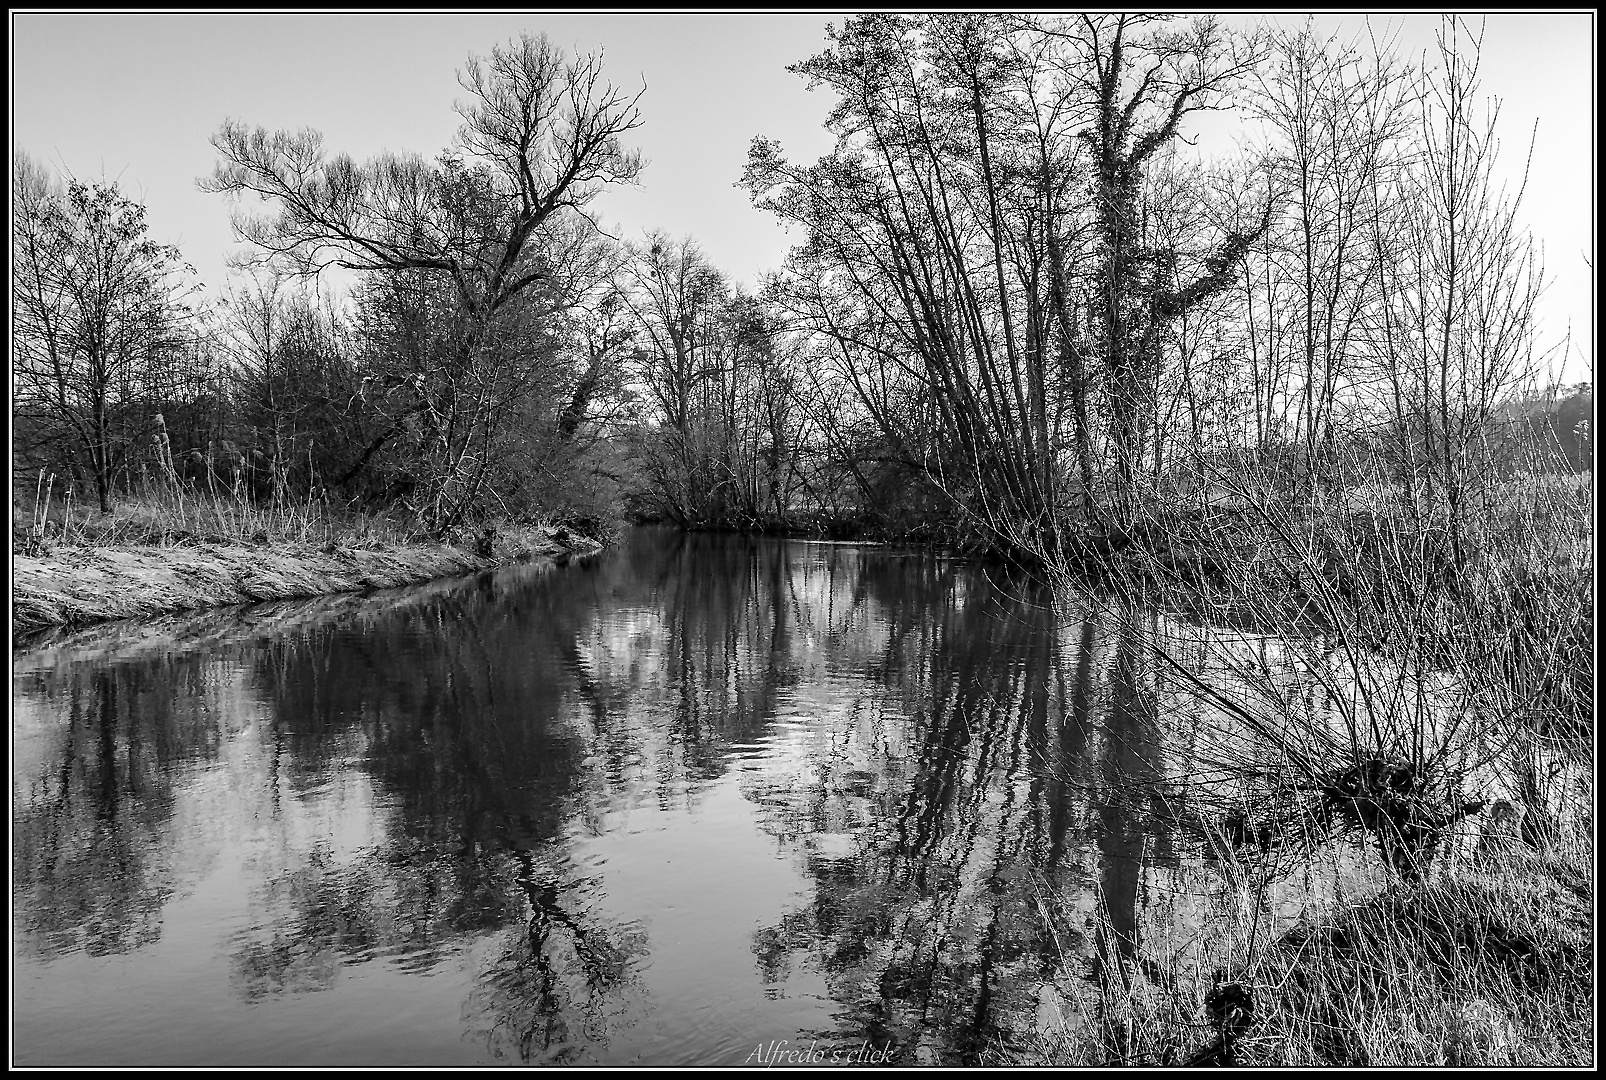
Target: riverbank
{"type": "Point", "coordinates": [74, 585]}
{"type": "Point", "coordinates": [1486, 966]}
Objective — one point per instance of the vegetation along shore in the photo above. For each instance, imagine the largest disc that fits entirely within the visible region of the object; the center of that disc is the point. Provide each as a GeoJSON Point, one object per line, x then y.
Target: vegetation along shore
{"type": "Point", "coordinates": [147, 560]}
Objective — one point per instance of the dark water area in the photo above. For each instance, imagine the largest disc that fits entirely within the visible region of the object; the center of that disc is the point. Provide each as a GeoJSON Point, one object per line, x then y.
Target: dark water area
{"type": "Point", "coordinates": [695, 799]}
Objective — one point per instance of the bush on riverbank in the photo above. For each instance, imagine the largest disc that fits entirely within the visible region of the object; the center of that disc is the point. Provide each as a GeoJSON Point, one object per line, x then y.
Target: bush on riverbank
{"type": "Point", "coordinates": [1500, 595]}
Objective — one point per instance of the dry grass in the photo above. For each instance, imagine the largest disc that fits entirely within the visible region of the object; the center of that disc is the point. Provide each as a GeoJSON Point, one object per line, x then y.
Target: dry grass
{"type": "Point", "coordinates": [76, 585]}
{"type": "Point", "coordinates": [173, 514]}
{"type": "Point", "coordinates": [1499, 604]}
{"type": "Point", "coordinates": [208, 629]}
{"type": "Point", "coordinates": [1488, 967]}
{"type": "Point", "coordinates": [1491, 969]}
{"type": "Point", "coordinates": [174, 551]}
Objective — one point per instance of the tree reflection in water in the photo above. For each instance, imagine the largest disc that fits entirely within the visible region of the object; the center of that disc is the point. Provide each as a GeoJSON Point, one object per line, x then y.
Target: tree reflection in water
{"type": "Point", "coordinates": [923, 927]}
{"type": "Point", "coordinates": [464, 733]}
{"type": "Point", "coordinates": [1016, 852]}
{"type": "Point", "coordinates": [88, 870]}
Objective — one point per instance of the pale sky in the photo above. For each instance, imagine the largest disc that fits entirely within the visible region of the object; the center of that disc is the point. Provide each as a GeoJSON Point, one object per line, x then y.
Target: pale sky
{"type": "Point", "coordinates": [136, 98]}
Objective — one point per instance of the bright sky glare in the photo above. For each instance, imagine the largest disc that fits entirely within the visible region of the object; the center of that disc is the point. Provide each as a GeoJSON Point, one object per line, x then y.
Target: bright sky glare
{"type": "Point", "coordinates": [136, 97]}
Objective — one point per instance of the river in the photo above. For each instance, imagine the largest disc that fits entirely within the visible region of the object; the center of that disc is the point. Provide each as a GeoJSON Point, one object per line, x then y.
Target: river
{"type": "Point", "coordinates": [696, 800]}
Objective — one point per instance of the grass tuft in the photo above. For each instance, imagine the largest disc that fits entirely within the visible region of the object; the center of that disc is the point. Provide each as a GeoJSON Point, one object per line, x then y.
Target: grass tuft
{"type": "Point", "coordinates": [1491, 970]}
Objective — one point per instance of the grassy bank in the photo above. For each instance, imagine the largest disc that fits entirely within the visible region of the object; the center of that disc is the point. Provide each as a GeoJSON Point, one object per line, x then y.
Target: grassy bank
{"type": "Point", "coordinates": [1489, 967]}
{"type": "Point", "coordinates": [72, 565]}
{"type": "Point", "coordinates": [214, 628]}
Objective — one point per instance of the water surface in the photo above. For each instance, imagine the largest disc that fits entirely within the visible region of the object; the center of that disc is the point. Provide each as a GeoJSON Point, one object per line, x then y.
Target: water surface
{"type": "Point", "coordinates": [693, 800]}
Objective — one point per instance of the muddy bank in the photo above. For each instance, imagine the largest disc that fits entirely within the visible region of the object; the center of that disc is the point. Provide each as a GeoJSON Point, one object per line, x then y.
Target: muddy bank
{"type": "Point", "coordinates": [73, 586]}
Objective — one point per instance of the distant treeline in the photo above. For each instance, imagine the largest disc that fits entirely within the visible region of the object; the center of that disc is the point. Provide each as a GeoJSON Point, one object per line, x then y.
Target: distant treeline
{"type": "Point", "coordinates": [1557, 425]}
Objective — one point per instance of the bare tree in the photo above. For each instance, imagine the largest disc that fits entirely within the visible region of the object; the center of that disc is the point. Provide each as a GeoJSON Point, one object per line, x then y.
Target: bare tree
{"type": "Point", "coordinates": [977, 247]}
{"type": "Point", "coordinates": [1143, 81]}
{"type": "Point", "coordinates": [1341, 124]}
{"type": "Point", "coordinates": [293, 376]}
{"type": "Point", "coordinates": [1460, 283]}
{"type": "Point", "coordinates": [929, 256]}
{"type": "Point", "coordinates": [500, 218]}
{"type": "Point", "coordinates": [100, 318]}
{"type": "Point", "coordinates": [679, 299]}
